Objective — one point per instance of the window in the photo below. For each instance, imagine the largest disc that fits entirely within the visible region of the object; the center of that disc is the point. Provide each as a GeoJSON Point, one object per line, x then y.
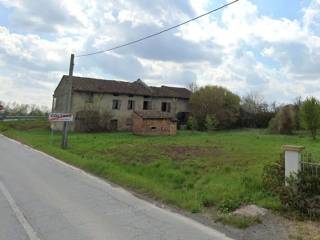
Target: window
{"type": "Point", "coordinates": [116, 104]}
{"type": "Point", "coordinates": [147, 105]}
{"type": "Point", "coordinates": [129, 121]}
{"type": "Point", "coordinates": [130, 105]}
{"type": "Point", "coordinates": [165, 107]}
{"type": "Point", "coordinates": [90, 98]}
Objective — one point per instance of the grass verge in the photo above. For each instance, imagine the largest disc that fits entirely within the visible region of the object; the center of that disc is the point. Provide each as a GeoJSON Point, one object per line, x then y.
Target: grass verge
{"type": "Point", "coordinates": [194, 171]}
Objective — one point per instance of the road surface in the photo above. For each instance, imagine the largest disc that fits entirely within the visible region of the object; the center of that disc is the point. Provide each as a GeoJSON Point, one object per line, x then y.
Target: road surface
{"type": "Point", "coordinates": [43, 198]}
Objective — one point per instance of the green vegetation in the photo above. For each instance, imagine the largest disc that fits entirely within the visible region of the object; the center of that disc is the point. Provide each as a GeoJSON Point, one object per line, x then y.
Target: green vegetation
{"type": "Point", "coordinates": [310, 114]}
{"type": "Point", "coordinates": [216, 104]}
{"type": "Point", "coordinates": [238, 221]}
{"type": "Point", "coordinates": [195, 171]}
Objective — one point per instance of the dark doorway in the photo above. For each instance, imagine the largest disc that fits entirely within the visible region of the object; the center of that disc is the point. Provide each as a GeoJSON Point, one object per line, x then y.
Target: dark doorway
{"type": "Point", "coordinates": [114, 125]}
{"type": "Point", "coordinates": [182, 118]}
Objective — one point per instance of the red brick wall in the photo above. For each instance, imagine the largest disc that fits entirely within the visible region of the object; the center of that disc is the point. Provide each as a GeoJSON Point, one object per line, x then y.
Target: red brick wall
{"type": "Point", "coordinates": [153, 126]}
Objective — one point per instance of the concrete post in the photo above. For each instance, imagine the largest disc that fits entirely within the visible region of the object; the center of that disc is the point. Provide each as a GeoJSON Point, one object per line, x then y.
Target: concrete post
{"type": "Point", "coordinates": [292, 156]}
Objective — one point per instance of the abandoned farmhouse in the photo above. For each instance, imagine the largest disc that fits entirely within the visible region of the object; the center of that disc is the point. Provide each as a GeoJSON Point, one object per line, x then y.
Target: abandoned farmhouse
{"type": "Point", "coordinates": [117, 103]}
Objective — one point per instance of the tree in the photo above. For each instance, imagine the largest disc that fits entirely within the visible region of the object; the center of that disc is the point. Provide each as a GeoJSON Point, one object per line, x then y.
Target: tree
{"type": "Point", "coordinates": [297, 106]}
{"type": "Point", "coordinates": [254, 111]}
{"type": "Point", "coordinates": [193, 86]}
{"type": "Point", "coordinates": [218, 102]}
{"type": "Point", "coordinates": [284, 121]}
{"type": "Point", "coordinates": [310, 115]}
{"type": "Point", "coordinates": [211, 123]}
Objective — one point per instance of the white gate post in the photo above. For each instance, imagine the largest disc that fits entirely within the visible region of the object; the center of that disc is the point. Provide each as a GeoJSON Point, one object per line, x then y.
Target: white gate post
{"type": "Point", "coordinates": [292, 159]}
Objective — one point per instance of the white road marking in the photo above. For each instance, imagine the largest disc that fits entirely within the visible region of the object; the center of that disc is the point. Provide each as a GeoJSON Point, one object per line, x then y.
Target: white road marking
{"type": "Point", "coordinates": [19, 215]}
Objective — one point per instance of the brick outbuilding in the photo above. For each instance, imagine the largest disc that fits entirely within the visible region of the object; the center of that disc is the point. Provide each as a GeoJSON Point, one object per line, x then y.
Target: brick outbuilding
{"type": "Point", "coordinates": [153, 123]}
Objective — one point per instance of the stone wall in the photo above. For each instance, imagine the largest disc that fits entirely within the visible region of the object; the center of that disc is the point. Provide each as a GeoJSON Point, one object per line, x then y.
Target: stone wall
{"type": "Point", "coordinates": [103, 102]}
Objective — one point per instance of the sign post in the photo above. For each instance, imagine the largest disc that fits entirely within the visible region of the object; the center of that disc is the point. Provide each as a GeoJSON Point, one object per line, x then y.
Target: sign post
{"type": "Point", "coordinates": [64, 142]}
{"type": "Point", "coordinates": [61, 117]}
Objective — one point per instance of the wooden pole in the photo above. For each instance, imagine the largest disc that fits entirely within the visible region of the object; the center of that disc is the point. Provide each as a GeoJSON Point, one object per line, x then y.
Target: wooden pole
{"type": "Point", "coordinates": [64, 142]}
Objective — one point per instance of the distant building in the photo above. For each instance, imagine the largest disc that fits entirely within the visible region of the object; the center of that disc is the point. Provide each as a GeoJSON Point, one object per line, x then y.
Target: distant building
{"type": "Point", "coordinates": [117, 98]}
{"type": "Point", "coordinates": [153, 123]}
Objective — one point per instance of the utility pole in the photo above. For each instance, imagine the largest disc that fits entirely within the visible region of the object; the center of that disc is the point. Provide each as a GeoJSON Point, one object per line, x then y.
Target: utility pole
{"type": "Point", "coordinates": [64, 142]}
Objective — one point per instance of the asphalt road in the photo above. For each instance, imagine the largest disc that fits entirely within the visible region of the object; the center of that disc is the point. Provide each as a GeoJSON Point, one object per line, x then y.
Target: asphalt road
{"type": "Point", "coordinates": [43, 198]}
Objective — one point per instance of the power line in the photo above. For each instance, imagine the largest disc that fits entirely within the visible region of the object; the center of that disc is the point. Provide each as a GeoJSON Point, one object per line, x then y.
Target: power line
{"type": "Point", "coordinates": [158, 33]}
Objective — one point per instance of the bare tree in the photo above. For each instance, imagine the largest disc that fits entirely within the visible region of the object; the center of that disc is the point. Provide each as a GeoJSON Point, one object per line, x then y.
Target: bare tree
{"type": "Point", "coordinates": [193, 86]}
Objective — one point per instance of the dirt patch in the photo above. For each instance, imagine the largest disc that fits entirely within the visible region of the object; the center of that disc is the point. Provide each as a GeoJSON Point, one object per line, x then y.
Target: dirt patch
{"type": "Point", "coordinates": [306, 230]}
{"type": "Point", "coordinates": [181, 153]}
{"type": "Point", "coordinates": [130, 153]}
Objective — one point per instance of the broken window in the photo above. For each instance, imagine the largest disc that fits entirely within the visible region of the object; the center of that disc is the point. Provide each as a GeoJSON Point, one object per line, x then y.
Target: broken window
{"type": "Point", "coordinates": [147, 105]}
{"type": "Point", "coordinates": [90, 98]}
{"type": "Point", "coordinates": [130, 105]}
{"type": "Point", "coordinates": [116, 104]}
{"type": "Point", "coordinates": [165, 107]}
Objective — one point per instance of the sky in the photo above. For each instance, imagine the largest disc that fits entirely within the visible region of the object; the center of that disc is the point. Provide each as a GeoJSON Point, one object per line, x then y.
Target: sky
{"type": "Point", "coordinates": [254, 46]}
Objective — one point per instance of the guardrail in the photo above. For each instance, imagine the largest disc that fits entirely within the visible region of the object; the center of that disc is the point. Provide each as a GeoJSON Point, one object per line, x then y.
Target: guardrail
{"type": "Point", "coordinates": [15, 118]}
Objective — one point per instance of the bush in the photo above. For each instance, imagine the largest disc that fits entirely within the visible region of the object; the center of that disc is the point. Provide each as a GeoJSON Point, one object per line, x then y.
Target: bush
{"type": "Point", "coordinates": [273, 176]}
{"type": "Point", "coordinates": [284, 121]}
{"type": "Point", "coordinates": [92, 121]}
{"type": "Point", "coordinates": [302, 194]}
{"type": "Point", "coordinates": [310, 115]}
{"type": "Point", "coordinates": [192, 123]}
{"type": "Point", "coordinates": [211, 122]}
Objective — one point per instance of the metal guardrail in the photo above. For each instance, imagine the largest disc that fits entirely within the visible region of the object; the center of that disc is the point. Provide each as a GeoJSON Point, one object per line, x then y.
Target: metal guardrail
{"type": "Point", "coordinates": [311, 167]}
{"type": "Point", "coordinates": [15, 118]}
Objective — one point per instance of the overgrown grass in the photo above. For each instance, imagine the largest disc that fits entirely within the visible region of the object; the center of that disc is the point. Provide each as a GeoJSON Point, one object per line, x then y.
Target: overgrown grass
{"type": "Point", "coordinates": [238, 221]}
{"type": "Point", "coordinates": [194, 171]}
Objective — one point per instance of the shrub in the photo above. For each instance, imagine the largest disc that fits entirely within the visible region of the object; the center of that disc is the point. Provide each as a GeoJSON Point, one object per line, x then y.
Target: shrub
{"type": "Point", "coordinates": [310, 115]}
{"type": "Point", "coordinates": [302, 194]}
{"type": "Point", "coordinates": [192, 123]}
{"type": "Point", "coordinates": [273, 176]}
{"type": "Point", "coordinates": [104, 120]}
{"type": "Point", "coordinates": [92, 121]}
{"type": "Point", "coordinates": [284, 121]}
{"type": "Point", "coordinates": [211, 122]}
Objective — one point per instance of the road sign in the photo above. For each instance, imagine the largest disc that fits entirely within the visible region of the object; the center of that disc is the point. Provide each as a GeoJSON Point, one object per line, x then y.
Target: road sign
{"type": "Point", "coordinates": [60, 117]}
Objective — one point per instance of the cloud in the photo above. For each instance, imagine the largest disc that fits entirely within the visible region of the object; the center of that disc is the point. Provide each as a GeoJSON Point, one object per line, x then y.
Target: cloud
{"type": "Point", "coordinates": [239, 47]}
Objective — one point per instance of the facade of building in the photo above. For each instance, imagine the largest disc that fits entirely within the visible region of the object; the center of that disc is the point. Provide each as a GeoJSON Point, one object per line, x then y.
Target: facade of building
{"type": "Point", "coordinates": [153, 123]}
{"type": "Point", "coordinates": [118, 99]}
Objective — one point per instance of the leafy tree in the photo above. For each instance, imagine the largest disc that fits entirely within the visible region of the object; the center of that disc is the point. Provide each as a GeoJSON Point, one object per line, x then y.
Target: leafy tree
{"type": "Point", "coordinates": [211, 122]}
{"type": "Point", "coordinates": [284, 122]}
{"type": "Point", "coordinates": [216, 101]}
{"type": "Point", "coordinates": [310, 115]}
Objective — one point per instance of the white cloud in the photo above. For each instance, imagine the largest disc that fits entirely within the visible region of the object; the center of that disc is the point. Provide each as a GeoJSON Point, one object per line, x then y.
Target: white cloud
{"type": "Point", "coordinates": [238, 47]}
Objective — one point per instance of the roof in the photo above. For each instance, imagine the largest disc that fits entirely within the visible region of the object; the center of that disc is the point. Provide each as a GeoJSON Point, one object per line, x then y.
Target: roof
{"type": "Point", "coordinates": [149, 114]}
{"type": "Point", "coordinates": [137, 87]}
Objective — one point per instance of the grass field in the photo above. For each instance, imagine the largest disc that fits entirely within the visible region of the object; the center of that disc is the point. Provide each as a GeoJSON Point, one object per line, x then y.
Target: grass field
{"type": "Point", "coordinates": [194, 171]}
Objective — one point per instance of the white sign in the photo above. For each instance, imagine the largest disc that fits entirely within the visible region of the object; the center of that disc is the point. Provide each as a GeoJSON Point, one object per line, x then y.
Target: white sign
{"type": "Point", "coordinates": [60, 117]}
